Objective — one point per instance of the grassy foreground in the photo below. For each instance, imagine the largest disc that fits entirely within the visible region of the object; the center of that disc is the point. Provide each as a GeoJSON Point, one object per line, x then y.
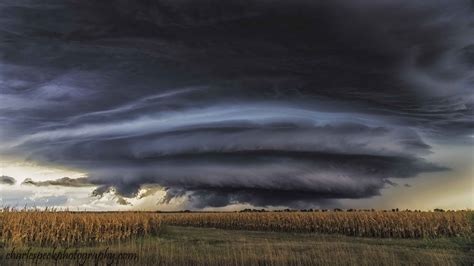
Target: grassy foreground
{"type": "Point", "coordinates": [207, 246]}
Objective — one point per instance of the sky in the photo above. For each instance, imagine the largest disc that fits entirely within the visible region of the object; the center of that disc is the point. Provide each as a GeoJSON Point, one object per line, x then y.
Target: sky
{"type": "Point", "coordinates": [223, 105]}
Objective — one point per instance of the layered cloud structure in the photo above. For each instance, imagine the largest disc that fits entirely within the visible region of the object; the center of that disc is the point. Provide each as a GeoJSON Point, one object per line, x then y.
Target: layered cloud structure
{"type": "Point", "coordinates": [268, 103]}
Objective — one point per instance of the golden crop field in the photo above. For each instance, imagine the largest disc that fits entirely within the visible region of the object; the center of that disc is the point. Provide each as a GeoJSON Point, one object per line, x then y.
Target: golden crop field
{"type": "Point", "coordinates": [363, 224]}
{"type": "Point", "coordinates": [80, 228]}
{"type": "Point", "coordinates": [53, 228]}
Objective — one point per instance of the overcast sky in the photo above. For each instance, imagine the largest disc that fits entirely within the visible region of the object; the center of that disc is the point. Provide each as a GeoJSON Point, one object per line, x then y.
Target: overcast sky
{"type": "Point", "coordinates": [207, 104]}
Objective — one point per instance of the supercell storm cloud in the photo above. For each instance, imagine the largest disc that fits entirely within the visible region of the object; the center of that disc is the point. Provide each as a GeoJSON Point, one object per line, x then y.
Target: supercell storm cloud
{"type": "Point", "coordinates": [271, 103]}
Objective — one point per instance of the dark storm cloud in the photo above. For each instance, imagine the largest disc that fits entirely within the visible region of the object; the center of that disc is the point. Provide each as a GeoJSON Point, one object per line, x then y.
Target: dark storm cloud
{"type": "Point", "coordinates": [261, 102]}
{"type": "Point", "coordinates": [258, 197]}
{"type": "Point", "coordinates": [7, 180]}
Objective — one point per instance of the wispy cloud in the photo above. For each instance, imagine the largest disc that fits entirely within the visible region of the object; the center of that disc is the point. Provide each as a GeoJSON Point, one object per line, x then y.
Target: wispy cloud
{"type": "Point", "coordinates": [64, 182]}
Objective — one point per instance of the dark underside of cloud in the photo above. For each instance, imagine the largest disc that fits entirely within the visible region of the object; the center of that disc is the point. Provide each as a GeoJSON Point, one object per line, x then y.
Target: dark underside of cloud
{"type": "Point", "coordinates": [65, 182]}
{"type": "Point", "coordinates": [7, 180]}
{"type": "Point", "coordinates": [292, 103]}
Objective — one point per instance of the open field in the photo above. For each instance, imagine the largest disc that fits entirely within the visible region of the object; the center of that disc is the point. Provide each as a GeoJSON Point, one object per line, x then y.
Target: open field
{"type": "Point", "coordinates": [208, 246]}
{"type": "Point", "coordinates": [267, 238]}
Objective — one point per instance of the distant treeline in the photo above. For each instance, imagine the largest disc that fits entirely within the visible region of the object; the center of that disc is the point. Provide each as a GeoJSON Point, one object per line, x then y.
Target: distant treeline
{"type": "Point", "coordinates": [49, 209]}
{"type": "Point", "coordinates": [335, 210]}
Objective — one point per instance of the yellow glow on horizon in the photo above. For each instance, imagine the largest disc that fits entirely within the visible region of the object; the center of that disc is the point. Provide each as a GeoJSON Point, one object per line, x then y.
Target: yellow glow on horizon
{"type": "Point", "coordinates": [21, 169]}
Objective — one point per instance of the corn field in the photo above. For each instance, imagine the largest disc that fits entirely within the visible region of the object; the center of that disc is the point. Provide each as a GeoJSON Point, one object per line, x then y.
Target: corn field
{"type": "Point", "coordinates": [46, 228]}
{"type": "Point", "coordinates": [362, 224]}
{"type": "Point", "coordinates": [68, 228]}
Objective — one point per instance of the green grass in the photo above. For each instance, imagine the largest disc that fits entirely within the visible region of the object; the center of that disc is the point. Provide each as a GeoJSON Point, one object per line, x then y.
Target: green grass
{"type": "Point", "coordinates": [207, 246]}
